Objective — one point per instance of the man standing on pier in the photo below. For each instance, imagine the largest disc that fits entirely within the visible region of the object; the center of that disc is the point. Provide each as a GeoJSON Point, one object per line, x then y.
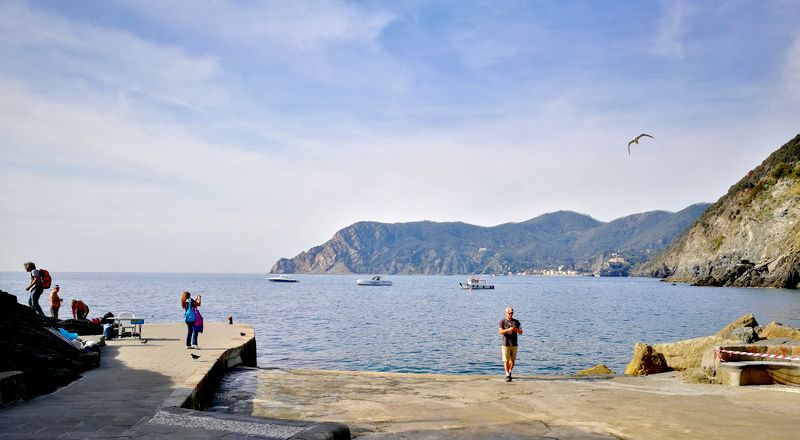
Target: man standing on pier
{"type": "Point", "coordinates": [509, 329]}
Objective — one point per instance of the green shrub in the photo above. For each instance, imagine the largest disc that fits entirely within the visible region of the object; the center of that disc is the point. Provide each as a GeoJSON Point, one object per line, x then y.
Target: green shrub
{"type": "Point", "coordinates": [780, 170]}
{"type": "Point", "coordinates": [716, 243]}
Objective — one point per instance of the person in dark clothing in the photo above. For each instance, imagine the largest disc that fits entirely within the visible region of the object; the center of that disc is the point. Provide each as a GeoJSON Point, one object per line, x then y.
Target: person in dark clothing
{"type": "Point", "coordinates": [35, 287]}
{"type": "Point", "coordinates": [509, 328]}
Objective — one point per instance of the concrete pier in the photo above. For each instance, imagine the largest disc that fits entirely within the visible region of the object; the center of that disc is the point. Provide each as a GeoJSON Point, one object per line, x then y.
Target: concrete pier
{"type": "Point", "coordinates": [154, 389]}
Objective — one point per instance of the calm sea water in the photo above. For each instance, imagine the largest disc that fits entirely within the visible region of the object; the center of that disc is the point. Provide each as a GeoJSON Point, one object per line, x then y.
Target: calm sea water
{"type": "Point", "coordinates": [426, 324]}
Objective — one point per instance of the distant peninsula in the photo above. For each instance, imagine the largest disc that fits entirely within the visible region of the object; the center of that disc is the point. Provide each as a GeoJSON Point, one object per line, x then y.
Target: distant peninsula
{"type": "Point", "coordinates": [558, 242]}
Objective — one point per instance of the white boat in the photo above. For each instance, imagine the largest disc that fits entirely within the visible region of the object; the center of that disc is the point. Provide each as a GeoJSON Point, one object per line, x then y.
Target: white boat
{"type": "Point", "coordinates": [476, 284]}
{"type": "Point", "coordinates": [282, 279]}
{"type": "Point", "coordinates": [374, 281]}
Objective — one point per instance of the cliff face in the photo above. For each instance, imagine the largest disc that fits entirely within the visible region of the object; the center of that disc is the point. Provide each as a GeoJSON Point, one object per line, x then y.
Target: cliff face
{"type": "Point", "coordinates": [750, 237]}
{"type": "Point", "coordinates": [556, 239]}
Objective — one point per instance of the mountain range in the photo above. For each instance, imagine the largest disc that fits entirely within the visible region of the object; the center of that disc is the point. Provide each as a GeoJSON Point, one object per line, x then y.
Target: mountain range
{"type": "Point", "coordinates": [562, 239]}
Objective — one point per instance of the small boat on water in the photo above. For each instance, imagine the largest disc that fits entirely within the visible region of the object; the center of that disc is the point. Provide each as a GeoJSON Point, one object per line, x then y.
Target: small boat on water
{"type": "Point", "coordinates": [476, 284]}
{"type": "Point", "coordinates": [374, 281]}
{"type": "Point", "coordinates": [283, 279]}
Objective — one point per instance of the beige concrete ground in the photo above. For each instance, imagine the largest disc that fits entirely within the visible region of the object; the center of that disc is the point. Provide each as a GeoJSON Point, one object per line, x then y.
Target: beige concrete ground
{"type": "Point", "coordinates": [384, 406]}
{"type": "Point", "coordinates": [134, 381]}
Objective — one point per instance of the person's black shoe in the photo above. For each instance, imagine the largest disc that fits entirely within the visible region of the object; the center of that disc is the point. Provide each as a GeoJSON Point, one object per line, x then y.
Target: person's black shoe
{"type": "Point", "coordinates": [508, 378]}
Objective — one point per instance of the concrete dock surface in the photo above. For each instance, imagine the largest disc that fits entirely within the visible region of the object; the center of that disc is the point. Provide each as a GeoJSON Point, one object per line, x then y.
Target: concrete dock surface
{"type": "Point", "coordinates": [139, 387]}
{"type": "Point", "coordinates": [417, 406]}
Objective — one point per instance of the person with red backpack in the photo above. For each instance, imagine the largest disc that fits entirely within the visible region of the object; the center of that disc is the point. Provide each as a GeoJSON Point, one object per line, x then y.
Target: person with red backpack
{"type": "Point", "coordinates": [40, 280]}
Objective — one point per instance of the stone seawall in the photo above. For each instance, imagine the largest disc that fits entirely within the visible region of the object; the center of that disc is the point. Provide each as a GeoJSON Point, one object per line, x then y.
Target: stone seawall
{"type": "Point", "coordinates": [198, 391]}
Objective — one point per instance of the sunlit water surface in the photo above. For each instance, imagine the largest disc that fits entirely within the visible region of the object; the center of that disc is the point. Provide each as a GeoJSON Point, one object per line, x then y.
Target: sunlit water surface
{"type": "Point", "coordinates": [426, 324]}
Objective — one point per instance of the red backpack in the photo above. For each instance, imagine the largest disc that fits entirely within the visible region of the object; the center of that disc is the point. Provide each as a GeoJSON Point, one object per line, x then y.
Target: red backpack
{"type": "Point", "coordinates": [44, 278]}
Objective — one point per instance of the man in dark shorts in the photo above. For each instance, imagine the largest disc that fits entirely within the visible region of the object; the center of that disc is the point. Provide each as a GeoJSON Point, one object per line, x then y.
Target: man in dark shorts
{"type": "Point", "coordinates": [509, 328]}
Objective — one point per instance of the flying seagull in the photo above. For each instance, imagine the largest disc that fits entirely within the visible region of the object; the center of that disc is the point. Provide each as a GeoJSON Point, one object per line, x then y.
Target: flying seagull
{"type": "Point", "coordinates": [636, 141]}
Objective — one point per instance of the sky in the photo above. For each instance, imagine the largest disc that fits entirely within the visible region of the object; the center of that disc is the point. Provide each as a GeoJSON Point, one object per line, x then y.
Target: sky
{"type": "Point", "coordinates": [219, 136]}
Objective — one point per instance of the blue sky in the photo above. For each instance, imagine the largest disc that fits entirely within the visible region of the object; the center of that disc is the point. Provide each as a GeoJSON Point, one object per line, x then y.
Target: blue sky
{"type": "Point", "coordinates": [218, 136]}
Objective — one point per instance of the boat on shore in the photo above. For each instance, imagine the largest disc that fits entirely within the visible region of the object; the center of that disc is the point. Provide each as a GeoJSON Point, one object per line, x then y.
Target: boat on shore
{"type": "Point", "coordinates": [374, 281]}
{"type": "Point", "coordinates": [476, 284]}
{"type": "Point", "coordinates": [282, 279]}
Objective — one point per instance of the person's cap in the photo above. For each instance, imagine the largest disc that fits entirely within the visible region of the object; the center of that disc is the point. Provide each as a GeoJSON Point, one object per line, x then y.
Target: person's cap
{"type": "Point", "coordinates": [56, 287]}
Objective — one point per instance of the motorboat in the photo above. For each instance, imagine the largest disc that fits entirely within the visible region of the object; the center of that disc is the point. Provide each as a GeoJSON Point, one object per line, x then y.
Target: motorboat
{"type": "Point", "coordinates": [282, 279]}
{"type": "Point", "coordinates": [476, 284]}
{"type": "Point", "coordinates": [374, 281]}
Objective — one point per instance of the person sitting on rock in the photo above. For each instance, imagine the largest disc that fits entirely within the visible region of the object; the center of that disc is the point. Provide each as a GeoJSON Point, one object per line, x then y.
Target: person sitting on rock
{"type": "Point", "coordinates": [79, 309]}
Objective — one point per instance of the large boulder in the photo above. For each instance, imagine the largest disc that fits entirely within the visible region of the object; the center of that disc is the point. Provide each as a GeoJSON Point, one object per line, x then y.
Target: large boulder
{"type": "Point", "coordinates": [747, 320]}
{"type": "Point", "coordinates": [745, 335]}
{"type": "Point", "coordinates": [682, 355]}
{"type": "Point", "coordinates": [777, 330]}
{"type": "Point", "coordinates": [646, 360]}
{"type": "Point", "coordinates": [596, 370]}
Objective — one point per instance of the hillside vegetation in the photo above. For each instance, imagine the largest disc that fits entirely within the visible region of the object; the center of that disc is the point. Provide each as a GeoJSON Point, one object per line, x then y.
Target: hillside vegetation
{"type": "Point", "coordinates": [560, 239]}
{"type": "Point", "coordinates": [750, 237]}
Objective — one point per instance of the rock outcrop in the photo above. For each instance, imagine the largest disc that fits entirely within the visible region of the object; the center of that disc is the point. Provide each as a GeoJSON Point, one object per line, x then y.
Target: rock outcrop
{"type": "Point", "coordinates": [749, 238]}
{"type": "Point", "coordinates": [775, 330]}
{"type": "Point", "coordinates": [598, 369]}
{"type": "Point", "coordinates": [686, 354]}
{"type": "Point", "coordinates": [646, 360]}
{"type": "Point", "coordinates": [46, 361]}
{"type": "Point", "coordinates": [697, 356]}
{"type": "Point", "coordinates": [747, 320]}
{"type": "Point", "coordinates": [560, 239]}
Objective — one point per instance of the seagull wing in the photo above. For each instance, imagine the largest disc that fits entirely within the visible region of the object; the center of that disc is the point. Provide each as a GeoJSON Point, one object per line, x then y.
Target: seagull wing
{"type": "Point", "coordinates": [644, 134]}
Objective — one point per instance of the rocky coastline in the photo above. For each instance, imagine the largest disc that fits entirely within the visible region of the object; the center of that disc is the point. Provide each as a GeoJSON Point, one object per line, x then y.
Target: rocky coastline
{"type": "Point", "coordinates": [696, 359]}
{"type": "Point", "coordinates": [34, 361]}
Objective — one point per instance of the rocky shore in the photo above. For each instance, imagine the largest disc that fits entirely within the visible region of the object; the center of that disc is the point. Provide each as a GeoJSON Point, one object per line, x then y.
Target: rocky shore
{"type": "Point", "coordinates": [697, 358]}
{"type": "Point", "coordinates": [33, 360]}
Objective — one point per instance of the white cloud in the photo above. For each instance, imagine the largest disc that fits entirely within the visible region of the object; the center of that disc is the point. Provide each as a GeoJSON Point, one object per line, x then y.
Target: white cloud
{"type": "Point", "coordinates": [791, 70]}
{"type": "Point", "coordinates": [297, 25]}
{"type": "Point", "coordinates": [671, 28]}
{"type": "Point", "coordinates": [165, 155]}
{"type": "Point", "coordinates": [65, 57]}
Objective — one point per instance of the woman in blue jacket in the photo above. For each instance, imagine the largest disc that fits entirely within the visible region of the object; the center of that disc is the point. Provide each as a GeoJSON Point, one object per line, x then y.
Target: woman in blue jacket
{"type": "Point", "coordinates": [192, 318]}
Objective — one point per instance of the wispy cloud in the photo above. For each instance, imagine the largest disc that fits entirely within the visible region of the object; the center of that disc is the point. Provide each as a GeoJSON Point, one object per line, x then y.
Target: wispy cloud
{"type": "Point", "coordinates": [672, 27]}
{"type": "Point", "coordinates": [791, 70]}
{"type": "Point", "coordinates": [247, 131]}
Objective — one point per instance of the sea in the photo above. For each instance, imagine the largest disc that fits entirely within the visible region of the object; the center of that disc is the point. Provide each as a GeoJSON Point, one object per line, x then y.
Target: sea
{"type": "Point", "coordinates": [427, 324]}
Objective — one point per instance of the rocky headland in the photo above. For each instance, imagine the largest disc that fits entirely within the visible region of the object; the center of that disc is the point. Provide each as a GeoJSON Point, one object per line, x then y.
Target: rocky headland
{"type": "Point", "coordinates": [749, 238]}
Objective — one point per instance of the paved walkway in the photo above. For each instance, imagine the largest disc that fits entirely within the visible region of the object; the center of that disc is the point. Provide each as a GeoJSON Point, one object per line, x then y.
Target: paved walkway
{"type": "Point", "coordinates": [137, 391]}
